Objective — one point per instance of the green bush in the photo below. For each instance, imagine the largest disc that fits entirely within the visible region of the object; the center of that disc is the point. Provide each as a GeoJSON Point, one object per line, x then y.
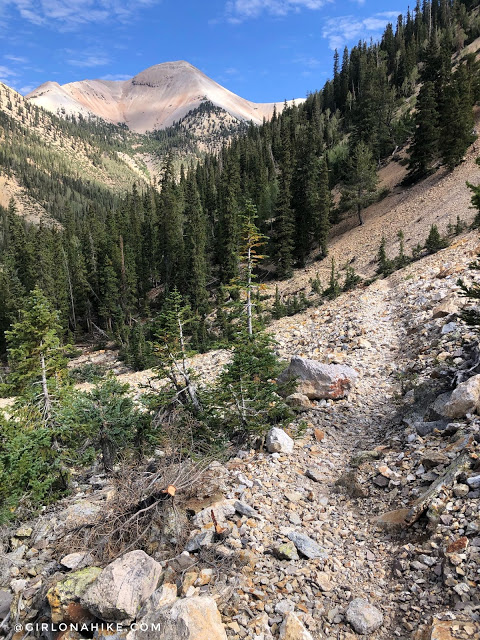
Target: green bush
{"type": "Point", "coordinates": [435, 242]}
{"type": "Point", "coordinates": [246, 400]}
{"type": "Point", "coordinates": [32, 472]}
{"type": "Point", "coordinates": [108, 419]}
{"type": "Point", "coordinates": [89, 372]}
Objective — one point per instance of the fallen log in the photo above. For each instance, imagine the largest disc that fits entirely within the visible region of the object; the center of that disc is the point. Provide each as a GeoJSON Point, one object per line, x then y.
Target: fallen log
{"type": "Point", "coordinates": [459, 465]}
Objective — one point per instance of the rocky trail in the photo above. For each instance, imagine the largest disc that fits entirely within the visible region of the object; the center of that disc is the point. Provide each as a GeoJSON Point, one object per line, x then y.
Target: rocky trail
{"type": "Point", "coordinates": [314, 543]}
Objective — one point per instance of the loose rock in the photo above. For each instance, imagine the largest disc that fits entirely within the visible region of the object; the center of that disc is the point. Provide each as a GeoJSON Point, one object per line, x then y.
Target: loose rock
{"type": "Point", "coordinates": [364, 617]}
{"type": "Point", "coordinates": [123, 587]}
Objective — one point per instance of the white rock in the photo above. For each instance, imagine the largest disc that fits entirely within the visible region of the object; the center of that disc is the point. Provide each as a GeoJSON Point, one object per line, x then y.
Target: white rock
{"type": "Point", "coordinates": [193, 618]}
{"type": "Point", "coordinates": [76, 560]}
{"type": "Point", "coordinates": [293, 629]}
{"type": "Point", "coordinates": [278, 441]}
{"type": "Point", "coordinates": [123, 587]}
{"type": "Point", "coordinates": [464, 399]}
{"type": "Point", "coordinates": [222, 510]}
{"type": "Point", "coordinates": [364, 617]}
{"type": "Point", "coordinates": [319, 381]}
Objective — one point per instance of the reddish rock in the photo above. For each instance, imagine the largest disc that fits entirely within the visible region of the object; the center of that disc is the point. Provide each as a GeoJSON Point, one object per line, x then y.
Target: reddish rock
{"type": "Point", "coordinates": [319, 381]}
{"type": "Point", "coordinates": [458, 545]}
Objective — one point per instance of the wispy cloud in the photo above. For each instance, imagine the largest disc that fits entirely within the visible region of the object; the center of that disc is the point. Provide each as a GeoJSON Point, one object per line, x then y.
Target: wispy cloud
{"type": "Point", "coordinates": [346, 29]}
{"type": "Point", "coordinates": [7, 75]}
{"type": "Point", "coordinates": [71, 14]}
{"type": "Point", "coordinates": [116, 77]}
{"type": "Point", "coordinates": [87, 58]}
{"type": "Point", "coordinates": [7, 72]}
{"type": "Point", "coordinates": [18, 59]}
{"type": "Point", "coordinates": [240, 10]}
{"type": "Point", "coordinates": [26, 89]}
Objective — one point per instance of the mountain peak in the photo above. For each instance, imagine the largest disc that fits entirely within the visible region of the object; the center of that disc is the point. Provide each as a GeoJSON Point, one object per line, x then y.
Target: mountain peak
{"type": "Point", "coordinates": [153, 99]}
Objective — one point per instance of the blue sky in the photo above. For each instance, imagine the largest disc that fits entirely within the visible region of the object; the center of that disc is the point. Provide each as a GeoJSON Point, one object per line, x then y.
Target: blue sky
{"type": "Point", "coordinates": [264, 50]}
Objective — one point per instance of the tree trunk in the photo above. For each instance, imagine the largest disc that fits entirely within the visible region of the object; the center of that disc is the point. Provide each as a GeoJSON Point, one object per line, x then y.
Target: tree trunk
{"type": "Point", "coordinates": [70, 289]}
{"type": "Point", "coordinates": [249, 293]}
{"type": "Point", "coordinates": [46, 396]}
{"type": "Point", "coordinates": [359, 213]}
{"type": "Point", "coordinates": [107, 453]}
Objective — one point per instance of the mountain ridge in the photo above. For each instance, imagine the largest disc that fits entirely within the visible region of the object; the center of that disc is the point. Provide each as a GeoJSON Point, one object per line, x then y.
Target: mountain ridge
{"type": "Point", "coordinates": [153, 99]}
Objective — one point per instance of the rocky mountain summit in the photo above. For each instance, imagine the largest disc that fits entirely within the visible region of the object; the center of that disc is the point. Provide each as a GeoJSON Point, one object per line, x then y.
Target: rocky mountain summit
{"type": "Point", "coordinates": [153, 99]}
{"type": "Point", "coordinates": [362, 521]}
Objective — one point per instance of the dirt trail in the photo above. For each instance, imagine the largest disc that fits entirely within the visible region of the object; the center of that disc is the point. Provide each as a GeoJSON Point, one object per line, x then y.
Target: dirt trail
{"type": "Point", "coordinates": [375, 331]}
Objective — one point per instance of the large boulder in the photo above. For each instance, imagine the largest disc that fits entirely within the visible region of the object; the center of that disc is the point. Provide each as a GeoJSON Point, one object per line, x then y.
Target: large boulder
{"type": "Point", "coordinates": [278, 441]}
{"type": "Point", "coordinates": [319, 381]}
{"type": "Point", "coordinates": [167, 594]}
{"type": "Point", "coordinates": [64, 598]}
{"type": "Point", "coordinates": [123, 587]}
{"type": "Point", "coordinates": [363, 616]}
{"type": "Point", "coordinates": [464, 399]}
{"type": "Point", "coordinates": [193, 618]}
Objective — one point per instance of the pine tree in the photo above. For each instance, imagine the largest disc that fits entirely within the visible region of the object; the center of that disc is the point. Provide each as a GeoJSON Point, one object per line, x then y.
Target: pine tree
{"type": "Point", "coordinates": [285, 225]}
{"type": "Point", "coordinates": [334, 289]}
{"type": "Point", "coordinates": [249, 258]}
{"type": "Point", "coordinates": [435, 242]}
{"type": "Point", "coordinates": [229, 221]}
{"type": "Point", "coordinates": [195, 248]}
{"type": "Point", "coordinates": [475, 200]}
{"type": "Point", "coordinates": [385, 265]}
{"type": "Point", "coordinates": [322, 222]}
{"type": "Point", "coordinates": [425, 141]}
{"type": "Point", "coordinates": [35, 353]}
{"type": "Point", "coordinates": [456, 119]}
{"type": "Point", "coordinates": [360, 185]}
{"type": "Point", "coordinates": [171, 244]}
{"type": "Point", "coordinates": [171, 351]}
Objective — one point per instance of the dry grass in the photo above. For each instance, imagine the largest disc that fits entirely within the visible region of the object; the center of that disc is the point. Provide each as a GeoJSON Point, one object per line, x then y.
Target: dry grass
{"type": "Point", "coordinates": [146, 504]}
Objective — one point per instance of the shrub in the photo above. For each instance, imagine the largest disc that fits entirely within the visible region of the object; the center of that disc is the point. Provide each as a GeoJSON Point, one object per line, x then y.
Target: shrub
{"type": "Point", "coordinates": [352, 279]}
{"type": "Point", "coordinates": [32, 472]}
{"type": "Point", "coordinates": [89, 372]}
{"type": "Point", "coordinates": [435, 242]}
{"type": "Point", "coordinates": [247, 395]}
{"type": "Point", "coordinates": [107, 418]}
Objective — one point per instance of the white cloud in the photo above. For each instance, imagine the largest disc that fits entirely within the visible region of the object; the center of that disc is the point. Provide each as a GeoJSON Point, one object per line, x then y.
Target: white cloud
{"type": "Point", "coordinates": [87, 58]}
{"type": "Point", "coordinates": [346, 29]}
{"type": "Point", "coordinates": [6, 72]}
{"type": "Point", "coordinates": [71, 14]}
{"type": "Point", "coordinates": [116, 77]}
{"type": "Point", "coordinates": [239, 10]}
{"type": "Point", "coordinates": [18, 59]}
{"type": "Point", "coordinates": [27, 89]}
{"type": "Point", "coordinates": [7, 75]}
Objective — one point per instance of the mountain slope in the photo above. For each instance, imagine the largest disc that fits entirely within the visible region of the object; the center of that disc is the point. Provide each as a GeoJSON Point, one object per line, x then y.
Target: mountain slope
{"type": "Point", "coordinates": [48, 164]}
{"type": "Point", "coordinates": [154, 99]}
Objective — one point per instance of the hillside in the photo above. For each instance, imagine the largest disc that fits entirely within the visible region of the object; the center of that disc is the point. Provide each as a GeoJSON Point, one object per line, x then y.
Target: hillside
{"type": "Point", "coordinates": [156, 98]}
{"type": "Point", "coordinates": [41, 154]}
{"type": "Point", "coordinates": [356, 460]}
{"type": "Point", "coordinates": [437, 200]}
{"type": "Point", "coordinates": [239, 350]}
